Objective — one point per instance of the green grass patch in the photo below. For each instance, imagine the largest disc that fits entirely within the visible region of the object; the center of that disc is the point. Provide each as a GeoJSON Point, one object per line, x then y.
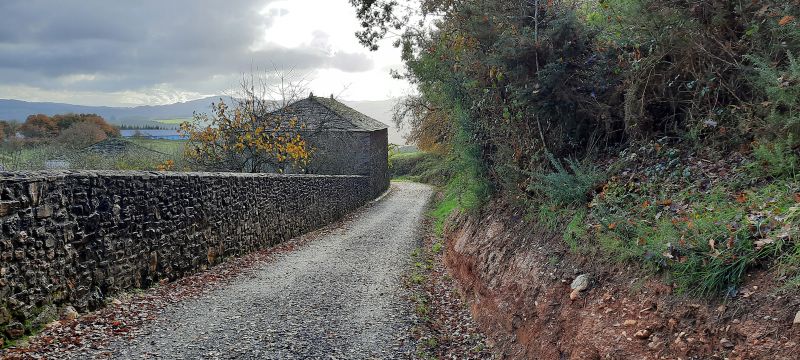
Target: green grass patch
{"type": "Point", "coordinates": [420, 167]}
{"type": "Point", "coordinates": [176, 121]}
{"type": "Point", "coordinates": [437, 247]}
{"type": "Point", "coordinates": [705, 241]}
{"type": "Point", "coordinates": [170, 147]}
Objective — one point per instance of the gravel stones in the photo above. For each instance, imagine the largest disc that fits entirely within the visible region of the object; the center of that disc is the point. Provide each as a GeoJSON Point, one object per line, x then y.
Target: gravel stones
{"type": "Point", "coordinates": [340, 296]}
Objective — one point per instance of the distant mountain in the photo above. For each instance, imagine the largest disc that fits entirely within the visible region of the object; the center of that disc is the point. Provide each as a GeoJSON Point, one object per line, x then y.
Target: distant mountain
{"type": "Point", "coordinates": [382, 111]}
{"type": "Point", "coordinates": [147, 115]}
{"type": "Point", "coordinates": [133, 116]}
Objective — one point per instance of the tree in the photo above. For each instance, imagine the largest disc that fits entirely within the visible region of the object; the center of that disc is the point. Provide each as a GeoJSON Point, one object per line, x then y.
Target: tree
{"type": "Point", "coordinates": [251, 134]}
{"type": "Point", "coordinates": [8, 129]}
{"type": "Point", "coordinates": [82, 134]}
{"type": "Point", "coordinates": [43, 127]}
{"type": "Point", "coordinates": [65, 121]}
{"type": "Point", "coordinates": [39, 126]}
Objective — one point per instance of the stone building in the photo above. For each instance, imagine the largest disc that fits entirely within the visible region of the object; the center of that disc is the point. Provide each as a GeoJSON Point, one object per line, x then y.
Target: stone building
{"type": "Point", "coordinates": [345, 141]}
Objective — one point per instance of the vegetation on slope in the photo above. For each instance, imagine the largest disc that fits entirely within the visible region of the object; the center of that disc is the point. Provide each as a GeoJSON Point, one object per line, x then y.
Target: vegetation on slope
{"type": "Point", "coordinates": [658, 132]}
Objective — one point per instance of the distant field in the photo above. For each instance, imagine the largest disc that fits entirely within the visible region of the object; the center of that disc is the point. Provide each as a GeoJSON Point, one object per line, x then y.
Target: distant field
{"type": "Point", "coordinates": [171, 147]}
{"type": "Point", "coordinates": [176, 121]}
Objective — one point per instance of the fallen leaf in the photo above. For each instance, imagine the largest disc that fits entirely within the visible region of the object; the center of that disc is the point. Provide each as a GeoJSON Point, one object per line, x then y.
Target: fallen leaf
{"type": "Point", "coordinates": [797, 197]}
{"type": "Point", "coordinates": [741, 198]}
{"type": "Point", "coordinates": [712, 244]}
{"type": "Point", "coordinates": [612, 226]}
{"type": "Point", "coordinates": [641, 242]}
{"type": "Point", "coordinates": [785, 20]}
{"type": "Point", "coordinates": [646, 203]}
{"type": "Point", "coordinates": [763, 242]}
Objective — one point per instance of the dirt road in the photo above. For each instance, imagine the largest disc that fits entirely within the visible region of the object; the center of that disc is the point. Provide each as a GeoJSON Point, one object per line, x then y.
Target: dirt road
{"type": "Point", "coordinates": [340, 296]}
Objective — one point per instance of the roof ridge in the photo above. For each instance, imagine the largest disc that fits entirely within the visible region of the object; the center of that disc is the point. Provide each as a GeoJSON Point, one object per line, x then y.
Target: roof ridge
{"type": "Point", "coordinates": [355, 123]}
{"type": "Point", "coordinates": [341, 116]}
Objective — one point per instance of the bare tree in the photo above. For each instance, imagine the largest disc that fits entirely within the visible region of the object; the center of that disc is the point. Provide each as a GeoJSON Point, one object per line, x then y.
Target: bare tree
{"type": "Point", "coordinates": [253, 133]}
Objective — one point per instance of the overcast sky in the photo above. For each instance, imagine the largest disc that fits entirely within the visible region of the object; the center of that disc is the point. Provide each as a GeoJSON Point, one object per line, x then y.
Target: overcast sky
{"type": "Point", "coordinates": [101, 52]}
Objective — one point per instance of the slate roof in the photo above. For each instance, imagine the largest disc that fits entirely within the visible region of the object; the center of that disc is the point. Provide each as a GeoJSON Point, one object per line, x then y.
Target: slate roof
{"type": "Point", "coordinates": [330, 114]}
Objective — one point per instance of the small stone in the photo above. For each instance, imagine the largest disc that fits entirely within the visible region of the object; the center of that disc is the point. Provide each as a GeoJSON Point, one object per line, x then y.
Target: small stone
{"type": "Point", "coordinates": [15, 330]}
{"type": "Point", "coordinates": [47, 314]}
{"type": "Point", "coordinates": [574, 295]}
{"type": "Point", "coordinates": [580, 283]}
{"type": "Point", "coordinates": [642, 334]}
{"type": "Point", "coordinates": [69, 313]}
{"type": "Point", "coordinates": [44, 211]}
{"type": "Point", "coordinates": [796, 319]}
{"type": "Point", "coordinates": [630, 322]}
{"type": "Point", "coordinates": [53, 324]}
{"type": "Point", "coordinates": [116, 302]}
{"type": "Point", "coordinates": [726, 343]}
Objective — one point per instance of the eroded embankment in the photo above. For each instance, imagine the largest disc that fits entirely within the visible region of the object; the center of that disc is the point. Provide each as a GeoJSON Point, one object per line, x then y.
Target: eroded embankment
{"type": "Point", "coordinates": [517, 277]}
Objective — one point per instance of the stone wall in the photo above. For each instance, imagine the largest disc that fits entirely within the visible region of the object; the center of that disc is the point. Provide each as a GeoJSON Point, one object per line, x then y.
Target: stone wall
{"type": "Point", "coordinates": [76, 237]}
{"type": "Point", "coordinates": [352, 152]}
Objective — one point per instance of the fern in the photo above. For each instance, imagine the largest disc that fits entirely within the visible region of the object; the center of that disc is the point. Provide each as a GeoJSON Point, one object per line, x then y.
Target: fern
{"type": "Point", "coordinates": [781, 86]}
{"type": "Point", "coordinates": [567, 187]}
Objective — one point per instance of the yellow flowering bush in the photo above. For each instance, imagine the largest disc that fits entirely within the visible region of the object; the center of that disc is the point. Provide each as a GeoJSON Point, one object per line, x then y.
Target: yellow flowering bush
{"type": "Point", "coordinates": [250, 137]}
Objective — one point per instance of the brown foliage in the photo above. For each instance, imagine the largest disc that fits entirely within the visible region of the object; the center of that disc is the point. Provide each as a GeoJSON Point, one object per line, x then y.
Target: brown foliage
{"type": "Point", "coordinates": [65, 121]}
{"type": "Point", "coordinates": [41, 126]}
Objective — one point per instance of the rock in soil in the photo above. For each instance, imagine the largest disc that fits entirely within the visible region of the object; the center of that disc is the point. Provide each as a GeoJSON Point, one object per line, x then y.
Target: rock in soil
{"type": "Point", "coordinates": [580, 283]}
{"type": "Point", "coordinates": [642, 334]}
{"type": "Point", "coordinates": [69, 313]}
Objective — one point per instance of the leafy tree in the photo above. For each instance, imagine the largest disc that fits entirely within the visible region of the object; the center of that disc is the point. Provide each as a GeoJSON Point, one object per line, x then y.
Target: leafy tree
{"type": "Point", "coordinates": [252, 135]}
{"type": "Point", "coordinates": [66, 121]}
{"type": "Point", "coordinates": [82, 134]}
{"type": "Point", "coordinates": [523, 79]}
{"type": "Point", "coordinates": [6, 130]}
{"type": "Point", "coordinates": [43, 127]}
{"type": "Point", "coordinates": [39, 126]}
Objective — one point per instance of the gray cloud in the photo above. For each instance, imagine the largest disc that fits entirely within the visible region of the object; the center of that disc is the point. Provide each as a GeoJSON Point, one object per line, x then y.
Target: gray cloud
{"type": "Point", "coordinates": [190, 44]}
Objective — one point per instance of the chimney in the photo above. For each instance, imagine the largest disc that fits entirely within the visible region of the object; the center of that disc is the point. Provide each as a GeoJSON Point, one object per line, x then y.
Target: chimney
{"type": "Point", "coordinates": [311, 95]}
{"type": "Point", "coordinates": [331, 96]}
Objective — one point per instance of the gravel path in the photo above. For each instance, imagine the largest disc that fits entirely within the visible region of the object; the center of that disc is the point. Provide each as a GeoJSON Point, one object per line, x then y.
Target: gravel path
{"type": "Point", "coordinates": [340, 296]}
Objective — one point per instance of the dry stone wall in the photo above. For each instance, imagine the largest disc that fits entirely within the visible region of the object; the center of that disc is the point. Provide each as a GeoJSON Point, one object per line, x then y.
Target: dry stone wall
{"type": "Point", "coordinates": [76, 237]}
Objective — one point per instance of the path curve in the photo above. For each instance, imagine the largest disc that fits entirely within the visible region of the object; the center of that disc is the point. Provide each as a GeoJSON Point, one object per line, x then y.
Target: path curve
{"type": "Point", "coordinates": [341, 296]}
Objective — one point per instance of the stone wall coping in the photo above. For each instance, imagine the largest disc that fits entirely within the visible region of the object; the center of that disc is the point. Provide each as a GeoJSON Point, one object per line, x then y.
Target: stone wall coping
{"type": "Point", "coordinates": [57, 174]}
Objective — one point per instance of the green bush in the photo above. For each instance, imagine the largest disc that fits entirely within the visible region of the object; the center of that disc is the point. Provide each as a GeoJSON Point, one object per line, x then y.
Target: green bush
{"type": "Point", "coordinates": [777, 159]}
{"type": "Point", "coordinates": [567, 187]}
{"type": "Point", "coordinates": [421, 166]}
{"type": "Point", "coordinates": [778, 115]}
